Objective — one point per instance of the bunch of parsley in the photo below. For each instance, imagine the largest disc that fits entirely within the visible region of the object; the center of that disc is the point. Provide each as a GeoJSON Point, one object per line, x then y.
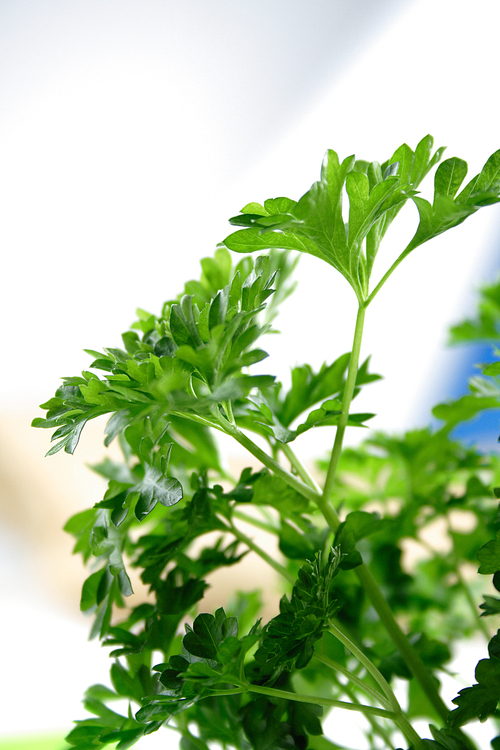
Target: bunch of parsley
{"type": "Point", "coordinates": [352, 618]}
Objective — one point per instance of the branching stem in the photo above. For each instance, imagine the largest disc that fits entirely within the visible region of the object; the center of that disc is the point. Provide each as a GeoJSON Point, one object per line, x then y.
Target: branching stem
{"type": "Point", "coordinates": [374, 694]}
{"type": "Point", "coordinates": [270, 463]}
{"type": "Point", "coordinates": [364, 575]}
{"type": "Point", "coordinates": [369, 666]}
{"type": "Point", "coordinates": [256, 522]}
{"type": "Point", "coordinates": [388, 273]}
{"type": "Point", "coordinates": [258, 550]}
{"type": "Point", "coordinates": [398, 718]}
{"type": "Point", "coordinates": [299, 467]}
{"type": "Point", "coordinates": [331, 703]}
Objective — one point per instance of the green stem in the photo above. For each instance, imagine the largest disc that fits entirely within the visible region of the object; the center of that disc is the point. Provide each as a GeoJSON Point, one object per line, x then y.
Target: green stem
{"type": "Point", "coordinates": [346, 403]}
{"type": "Point", "coordinates": [329, 513]}
{"type": "Point", "coordinates": [270, 463]}
{"type": "Point", "coordinates": [200, 420]}
{"type": "Point", "coordinates": [365, 577]}
{"type": "Point", "coordinates": [369, 666]}
{"type": "Point", "coordinates": [398, 719]}
{"type": "Point", "coordinates": [256, 522]}
{"type": "Point", "coordinates": [258, 550]}
{"type": "Point", "coordinates": [414, 662]}
{"type": "Point", "coordinates": [388, 273]}
{"type": "Point", "coordinates": [228, 408]}
{"type": "Point", "coordinates": [299, 467]}
{"type": "Point", "coordinates": [369, 584]}
{"type": "Point", "coordinates": [274, 693]}
{"type": "Point", "coordinates": [410, 734]}
{"type": "Point", "coordinates": [374, 694]}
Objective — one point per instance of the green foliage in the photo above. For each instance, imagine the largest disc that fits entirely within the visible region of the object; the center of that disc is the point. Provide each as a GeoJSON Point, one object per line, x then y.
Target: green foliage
{"type": "Point", "coordinates": [447, 210]}
{"type": "Point", "coordinates": [186, 361]}
{"type": "Point", "coordinates": [486, 326]}
{"type": "Point", "coordinates": [480, 700]}
{"type": "Point", "coordinates": [289, 638]}
{"type": "Point", "coordinates": [356, 613]}
{"type": "Point", "coordinates": [315, 224]}
{"type": "Point", "coordinates": [273, 412]}
{"type": "Point", "coordinates": [376, 194]}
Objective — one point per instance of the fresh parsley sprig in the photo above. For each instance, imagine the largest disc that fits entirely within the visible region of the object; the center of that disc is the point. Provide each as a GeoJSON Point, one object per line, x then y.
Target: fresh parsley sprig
{"type": "Point", "coordinates": [355, 614]}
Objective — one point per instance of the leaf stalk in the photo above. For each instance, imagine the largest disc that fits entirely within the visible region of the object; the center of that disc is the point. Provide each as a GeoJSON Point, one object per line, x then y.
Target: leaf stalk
{"type": "Point", "coordinates": [412, 659]}
{"type": "Point", "coordinates": [388, 273]}
{"type": "Point", "coordinates": [299, 467]}
{"type": "Point", "coordinates": [346, 403]}
{"type": "Point", "coordinates": [270, 463]}
{"type": "Point", "coordinates": [317, 700]}
{"type": "Point", "coordinates": [258, 550]}
{"type": "Point", "coordinates": [374, 694]}
{"type": "Point", "coordinates": [369, 666]}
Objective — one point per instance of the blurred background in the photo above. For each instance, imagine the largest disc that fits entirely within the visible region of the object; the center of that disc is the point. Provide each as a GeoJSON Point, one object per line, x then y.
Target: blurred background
{"type": "Point", "coordinates": [129, 132]}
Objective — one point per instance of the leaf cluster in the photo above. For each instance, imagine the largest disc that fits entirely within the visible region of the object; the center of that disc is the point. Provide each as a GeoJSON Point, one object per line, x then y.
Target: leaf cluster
{"type": "Point", "coordinates": [185, 362]}
{"type": "Point", "coordinates": [289, 638]}
{"type": "Point", "coordinates": [376, 193]}
{"type": "Point", "coordinates": [315, 223]}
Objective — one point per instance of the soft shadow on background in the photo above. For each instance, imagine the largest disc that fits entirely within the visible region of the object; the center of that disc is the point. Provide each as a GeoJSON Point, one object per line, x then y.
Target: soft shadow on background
{"type": "Point", "coordinates": [130, 131]}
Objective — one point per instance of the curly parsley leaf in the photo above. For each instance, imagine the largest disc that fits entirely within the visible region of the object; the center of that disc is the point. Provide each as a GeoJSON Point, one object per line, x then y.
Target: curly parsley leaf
{"type": "Point", "coordinates": [186, 362]}
{"type": "Point", "coordinates": [289, 638]}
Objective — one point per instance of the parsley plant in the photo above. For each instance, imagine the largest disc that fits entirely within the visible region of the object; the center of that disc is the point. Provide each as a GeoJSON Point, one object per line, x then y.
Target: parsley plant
{"type": "Point", "coordinates": [353, 617]}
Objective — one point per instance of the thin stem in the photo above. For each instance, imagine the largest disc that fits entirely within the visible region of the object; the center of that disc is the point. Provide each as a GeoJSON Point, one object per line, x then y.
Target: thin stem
{"type": "Point", "coordinates": [369, 666]}
{"type": "Point", "coordinates": [228, 408]}
{"type": "Point", "coordinates": [256, 522]}
{"type": "Point", "coordinates": [346, 403]}
{"type": "Point", "coordinates": [365, 577]}
{"type": "Point", "coordinates": [258, 550]}
{"type": "Point", "coordinates": [398, 719]}
{"type": "Point", "coordinates": [401, 721]}
{"type": "Point", "coordinates": [270, 463]}
{"type": "Point", "coordinates": [387, 274]}
{"type": "Point", "coordinates": [354, 679]}
{"type": "Point", "coordinates": [410, 734]}
{"type": "Point", "coordinates": [414, 662]}
{"type": "Point", "coordinates": [196, 418]}
{"type": "Point", "coordinates": [299, 467]}
{"type": "Point", "coordinates": [274, 693]}
{"type": "Point", "coordinates": [330, 514]}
